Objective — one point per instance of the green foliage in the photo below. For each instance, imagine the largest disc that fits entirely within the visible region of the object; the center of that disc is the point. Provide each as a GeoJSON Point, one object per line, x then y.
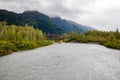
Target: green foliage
{"type": "Point", "coordinates": [13, 38]}
{"type": "Point", "coordinates": [6, 48]}
{"type": "Point", "coordinates": [18, 33]}
{"type": "Point", "coordinates": [112, 44]}
{"type": "Point", "coordinates": [108, 39]}
{"type": "Point", "coordinates": [25, 45]}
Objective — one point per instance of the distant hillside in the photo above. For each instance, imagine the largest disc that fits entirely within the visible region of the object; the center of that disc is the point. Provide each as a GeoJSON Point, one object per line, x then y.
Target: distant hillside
{"type": "Point", "coordinates": [34, 18]}
{"type": "Point", "coordinates": [68, 26]}
{"type": "Point", "coordinates": [41, 21]}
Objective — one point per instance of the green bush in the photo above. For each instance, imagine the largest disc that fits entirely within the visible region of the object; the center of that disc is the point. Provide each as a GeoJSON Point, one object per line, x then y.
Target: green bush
{"type": "Point", "coordinates": [112, 44]}
{"type": "Point", "coordinates": [44, 42]}
{"type": "Point", "coordinates": [108, 39]}
{"type": "Point", "coordinates": [6, 48]}
{"type": "Point", "coordinates": [24, 45]}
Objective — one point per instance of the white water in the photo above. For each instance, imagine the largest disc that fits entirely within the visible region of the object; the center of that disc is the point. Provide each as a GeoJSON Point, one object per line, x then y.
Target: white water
{"type": "Point", "coordinates": [67, 61]}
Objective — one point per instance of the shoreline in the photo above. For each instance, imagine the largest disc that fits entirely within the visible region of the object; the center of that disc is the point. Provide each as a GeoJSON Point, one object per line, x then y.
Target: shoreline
{"type": "Point", "coordinates": [97, 43]}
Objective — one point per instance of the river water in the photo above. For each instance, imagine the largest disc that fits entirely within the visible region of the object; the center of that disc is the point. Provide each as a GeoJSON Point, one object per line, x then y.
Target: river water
{"type": "Point", "coordinates": [67, 61]}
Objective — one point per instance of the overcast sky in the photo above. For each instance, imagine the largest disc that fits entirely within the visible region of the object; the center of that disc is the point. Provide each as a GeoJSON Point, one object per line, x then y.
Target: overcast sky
{"type": "Point", "coordinates": [100, 14]}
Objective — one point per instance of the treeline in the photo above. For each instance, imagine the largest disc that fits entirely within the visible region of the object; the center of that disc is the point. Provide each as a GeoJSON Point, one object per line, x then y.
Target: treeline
{"type": "Point", "coordinates": [109, 39]}
{"type": "Point", "coordinates": [14, 38]}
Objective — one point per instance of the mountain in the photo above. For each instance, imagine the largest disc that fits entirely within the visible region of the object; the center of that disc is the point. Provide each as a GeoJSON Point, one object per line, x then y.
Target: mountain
{"type": "Point", "coordinates": [38, 20]}
{"type": "Point", "coordinates": [41, 21]}
{"type": "Point", "coordinates": [68, 26]}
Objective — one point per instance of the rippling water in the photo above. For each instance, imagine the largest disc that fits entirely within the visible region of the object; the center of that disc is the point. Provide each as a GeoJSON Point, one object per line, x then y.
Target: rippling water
{"type": "Point", "coordinates": [67, 61]}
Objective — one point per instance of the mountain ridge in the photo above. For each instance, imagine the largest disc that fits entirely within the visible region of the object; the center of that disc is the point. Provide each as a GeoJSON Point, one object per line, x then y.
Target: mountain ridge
{"type": "Point", "coordinates": [70, 25]}
{"type": "Point", "coordinates": [41, 21]}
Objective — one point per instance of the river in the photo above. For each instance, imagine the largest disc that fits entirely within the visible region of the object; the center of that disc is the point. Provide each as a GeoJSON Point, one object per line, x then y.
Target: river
{"type": "Point", "coordinates": [67, 61]}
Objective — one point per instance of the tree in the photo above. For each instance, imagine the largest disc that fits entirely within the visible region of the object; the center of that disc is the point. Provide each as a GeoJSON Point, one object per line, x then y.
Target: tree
{"type": "Point", "coordinates": [65, 36]}
{"type": "Point", "coordinates": [73, 35]}
{"type": "Point", "coordinates": [117, 33]}
{"type": "Point", "coordinates": [39, 35]}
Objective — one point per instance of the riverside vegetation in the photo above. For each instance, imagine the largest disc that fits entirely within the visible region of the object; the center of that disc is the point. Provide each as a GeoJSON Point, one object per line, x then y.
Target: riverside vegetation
{"type": "Point", "coordinates": [14, 38]}
{"type": "Point", "coordinates": [109, 39]}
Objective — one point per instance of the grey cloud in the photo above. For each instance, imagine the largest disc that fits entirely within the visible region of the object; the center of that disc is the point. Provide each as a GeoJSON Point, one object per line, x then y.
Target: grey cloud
{"type": "Point", "coordinates": [16, 0]}
{"type": "Point", "coordinates": [96, 13]}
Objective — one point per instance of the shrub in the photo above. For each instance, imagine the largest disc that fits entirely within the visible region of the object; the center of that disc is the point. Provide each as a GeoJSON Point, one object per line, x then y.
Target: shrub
{"type": "Point", "coordinates": [44, 42]}
{"type": "Point", "coordinates": [6, 48]}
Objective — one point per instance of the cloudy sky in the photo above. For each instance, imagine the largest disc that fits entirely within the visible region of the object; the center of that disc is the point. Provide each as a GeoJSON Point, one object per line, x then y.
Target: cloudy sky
{"type": "Point", "coordinates": [100, 14]}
